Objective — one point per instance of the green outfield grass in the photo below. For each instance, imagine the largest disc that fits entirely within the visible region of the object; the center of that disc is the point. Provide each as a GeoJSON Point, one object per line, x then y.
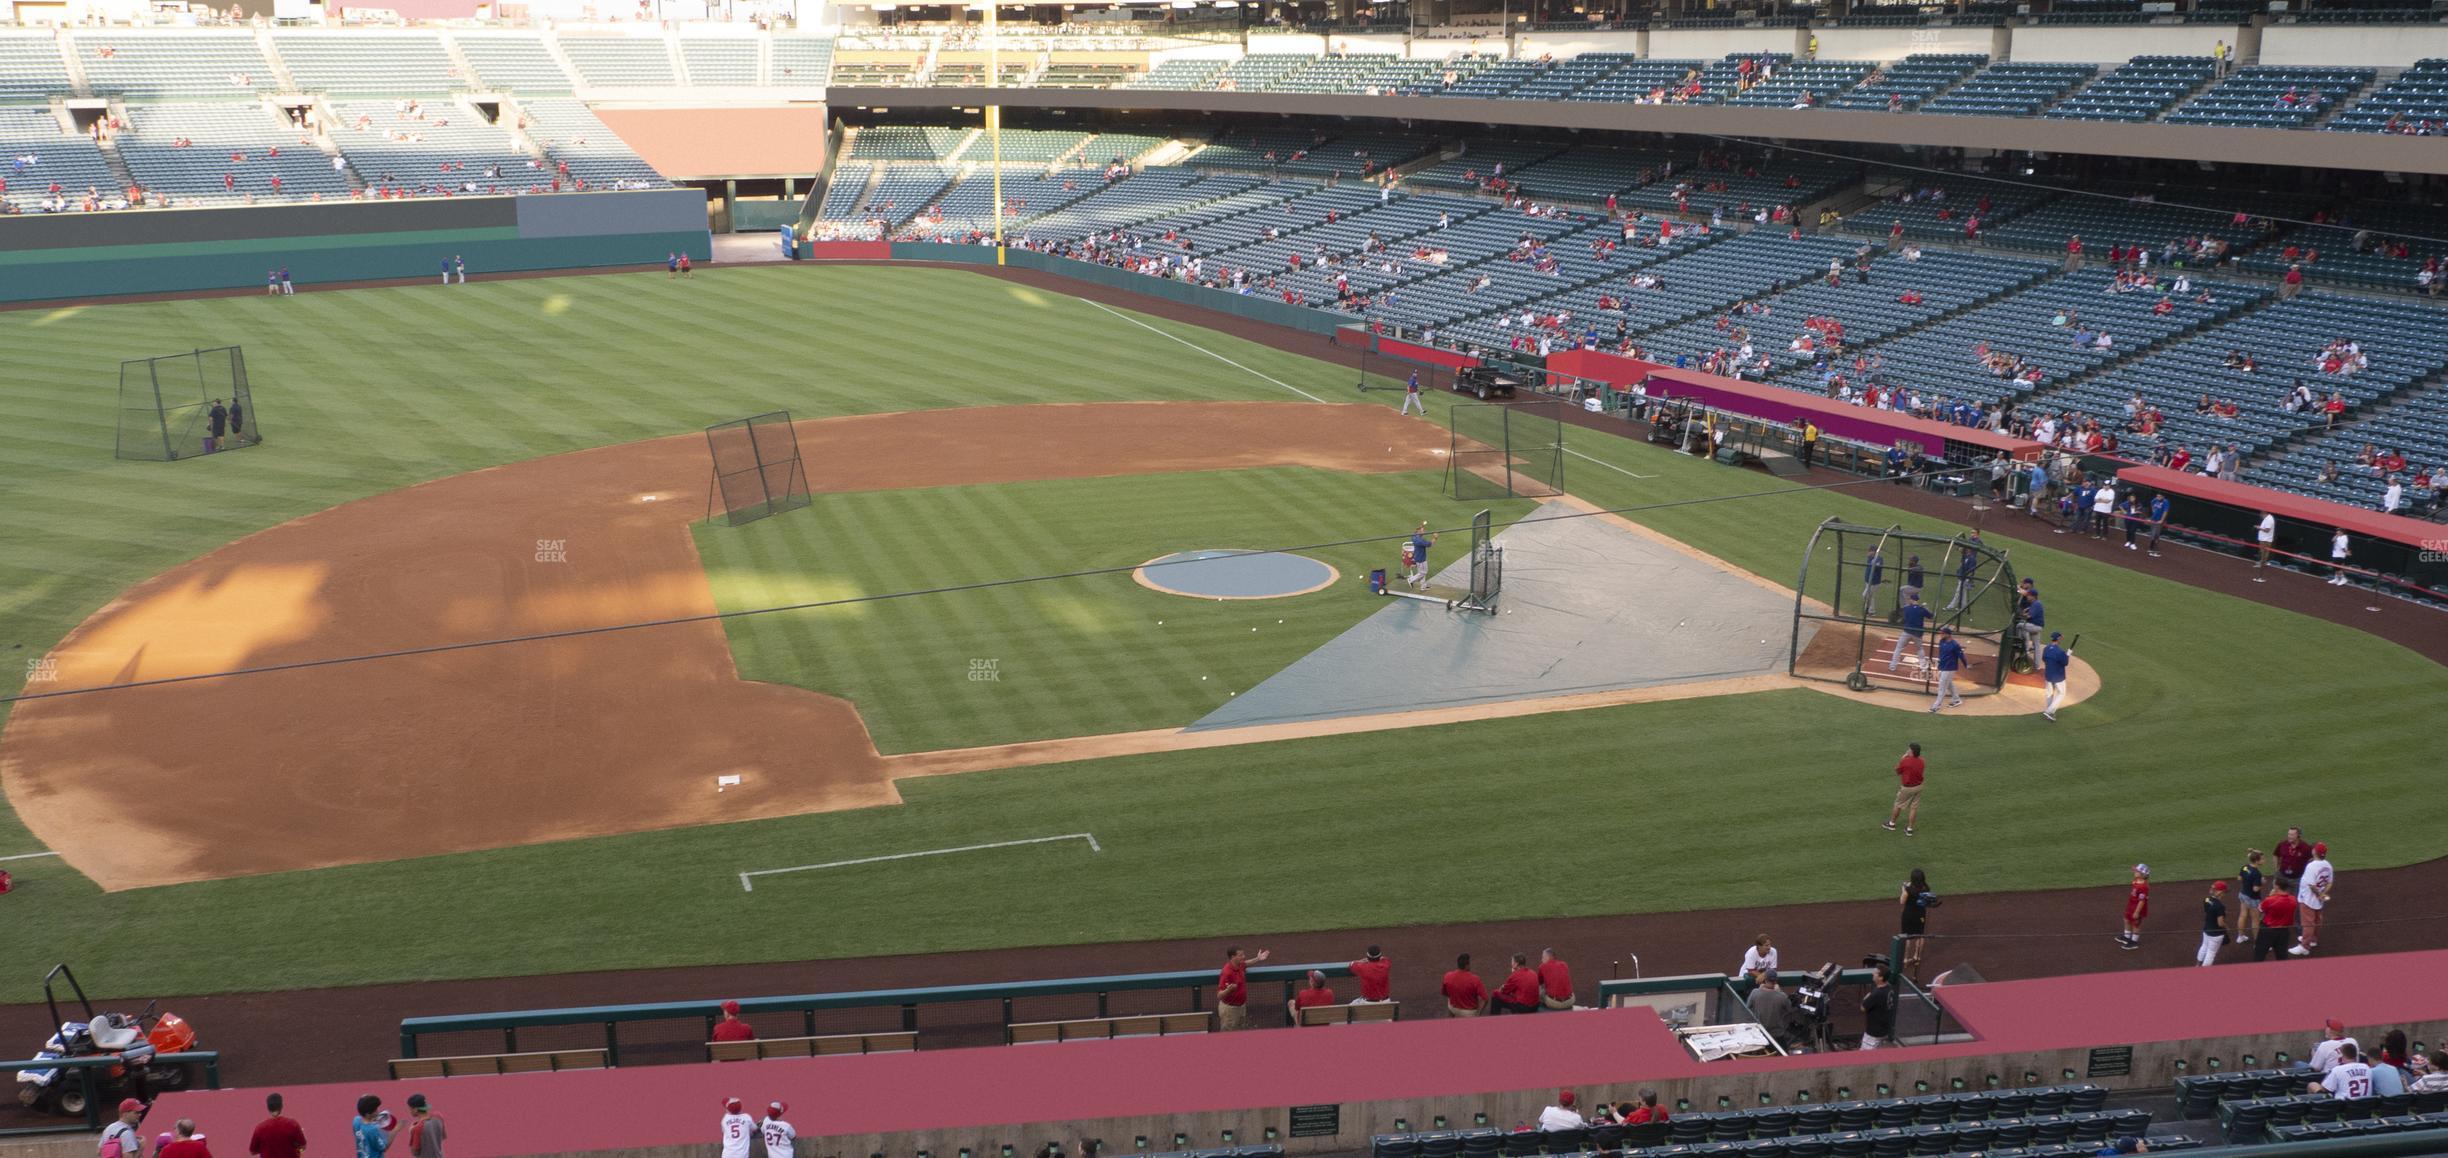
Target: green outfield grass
{"type": "Point", "coordinates": [1073, 657]}
{"type": "Point", "coordinates": [2220, 719]}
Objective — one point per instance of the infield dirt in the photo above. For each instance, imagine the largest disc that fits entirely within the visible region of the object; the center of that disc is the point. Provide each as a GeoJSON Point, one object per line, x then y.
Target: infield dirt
{"type": "Point", "coordinates": [321, 764]}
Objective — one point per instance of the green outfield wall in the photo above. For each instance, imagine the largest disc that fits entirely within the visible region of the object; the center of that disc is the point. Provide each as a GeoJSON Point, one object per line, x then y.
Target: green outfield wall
{"type": "Point", "coordinates": [186, 250]}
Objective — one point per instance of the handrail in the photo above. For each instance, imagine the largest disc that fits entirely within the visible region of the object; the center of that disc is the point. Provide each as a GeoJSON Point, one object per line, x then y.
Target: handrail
{"type": "Point", "coordinates": [806, 1004]}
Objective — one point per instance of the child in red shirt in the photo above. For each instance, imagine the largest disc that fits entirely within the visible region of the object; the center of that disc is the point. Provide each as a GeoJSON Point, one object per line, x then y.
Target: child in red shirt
{"type": "Point", "coordinates": [2137, 906]}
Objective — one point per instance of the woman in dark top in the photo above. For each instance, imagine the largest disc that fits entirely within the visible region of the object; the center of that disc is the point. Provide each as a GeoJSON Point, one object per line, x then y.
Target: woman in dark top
{"type": "Point", "coordinates": [2248, 897]}
{"type": "Point", "coordinates": [1915, 901]}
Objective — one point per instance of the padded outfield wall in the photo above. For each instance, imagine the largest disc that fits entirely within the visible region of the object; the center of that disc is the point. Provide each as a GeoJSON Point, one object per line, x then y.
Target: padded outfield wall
{"type": "Point", "coordinates": [184, 250]}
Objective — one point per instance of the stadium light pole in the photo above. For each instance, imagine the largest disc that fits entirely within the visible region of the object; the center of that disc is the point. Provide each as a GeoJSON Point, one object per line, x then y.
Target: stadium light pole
{"type": "Point", "coordinates": [994, 116]}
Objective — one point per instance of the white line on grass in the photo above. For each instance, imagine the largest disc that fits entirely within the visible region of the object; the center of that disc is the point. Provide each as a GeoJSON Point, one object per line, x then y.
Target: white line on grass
{"type": "Point", "coordinates": [28, 855]}
{"type": "Point", "coordinates": [747, 885]}
{"type": "Point", "coordinates": [1606, 464]}
{"type": "Point", "coordinates": [1204, 350]}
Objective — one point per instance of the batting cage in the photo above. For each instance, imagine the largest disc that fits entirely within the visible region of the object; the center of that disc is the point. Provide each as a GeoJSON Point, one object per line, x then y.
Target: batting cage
{"type": "Point", "coordinates": [757, 471]}
{"type": "Point", "coordinates": [1850, 618]}
{"type": "Point", "coordinates": [184, 405]}
{"type": "Point", "coordinates": [1506, 450]}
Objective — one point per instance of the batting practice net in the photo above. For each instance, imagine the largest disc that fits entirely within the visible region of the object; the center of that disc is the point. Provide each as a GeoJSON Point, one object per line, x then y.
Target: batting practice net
{"type": "Point", "coordinates": [1506, 450]}
{"type": "Point", "coordinates": [1486, 565]}
{"type": "Point", "coordinates": [184, 405]}
{"type": "Point", "coordinates": [757, 471]}
{"type": "Point", "coordinates": [1849, 608]}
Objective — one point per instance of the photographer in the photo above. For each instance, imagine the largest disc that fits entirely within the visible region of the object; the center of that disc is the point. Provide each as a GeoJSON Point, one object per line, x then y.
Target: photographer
{"type": "Point", "coordinates": [1775, 1012]}
{"type": "Point", "coordinates": [1879, 1010]}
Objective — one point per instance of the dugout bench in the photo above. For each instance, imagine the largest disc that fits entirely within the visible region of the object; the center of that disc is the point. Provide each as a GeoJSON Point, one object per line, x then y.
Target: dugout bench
{"type": "Point", "coordinates": [509, 1022]}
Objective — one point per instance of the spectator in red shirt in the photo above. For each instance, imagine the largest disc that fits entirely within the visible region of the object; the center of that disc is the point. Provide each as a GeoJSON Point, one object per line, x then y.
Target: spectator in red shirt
{"type": "Point", "coordinates": [1555, 982]}
{"type": "Point", "coordinates": [2277, 922]}
{"type": "Point", "coordinates": [276, 1136]}
{"type": "Point", "coordinates": [1232, 989]}
{"type": "Point", "coordinates": [2293, 853]}
{"type": "Point", "coordinates": [1376, 976]}
{"type": "Point", "coordinates": [1465, 994]}
{"type": "Point", "coordinates": [1648, 1111]}
{"type": "Point", "coordinates": [1908, 789]}
{"type": "Point", "coordinates": [2137, 906]}
{"type": "Point", "coordinates": [188, 1145]}
{"type": "Point", "coordinates": [1316, 994]}
{"type": "Point", "coordinates": [731, 1028]}
{"type": "Point", "coordinates": [1520, 991]}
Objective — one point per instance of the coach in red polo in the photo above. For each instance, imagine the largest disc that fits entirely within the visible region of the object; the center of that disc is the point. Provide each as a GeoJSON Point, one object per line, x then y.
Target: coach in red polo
{"type": "Point", "coordinates": [1520, 991]}
{"type": "Point", "coordinates": [1465, 994]}
{"type": "Point", "coordinates": [731, 1028]}
{"type": "Point", "coordinates": [1376, 976]}
{"type": "Point", "coordinates": [1232, 989]}
{"type": "Point", "coordinates": [1555, 982]}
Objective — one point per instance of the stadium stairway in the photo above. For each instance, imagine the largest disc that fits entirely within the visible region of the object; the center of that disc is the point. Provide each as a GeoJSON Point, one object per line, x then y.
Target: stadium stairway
{"type": "Point", "coordinates": [110, 146]}
{"type": "Point", "coordinates": [272, 56]}
{"type": "Point", "coordinates": [76, 71]}
{"type": "Point", "coordinates": [463, 70]}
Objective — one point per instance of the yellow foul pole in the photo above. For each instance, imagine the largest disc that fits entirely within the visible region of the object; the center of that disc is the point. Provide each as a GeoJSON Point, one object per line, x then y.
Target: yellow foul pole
{"type": "Point", "coordinates": [994, 120]}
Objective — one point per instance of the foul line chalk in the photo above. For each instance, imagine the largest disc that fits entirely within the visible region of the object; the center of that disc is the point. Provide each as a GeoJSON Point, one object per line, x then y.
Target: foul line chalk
{"type": "Point", "coordinates": [1606, 464]}
{"type": "Point", "coordinates": [27, 856]}
{"type": "Point", "coordinates": [1204, 350]}
{"type": "Point", "coordinates": [748, 883]}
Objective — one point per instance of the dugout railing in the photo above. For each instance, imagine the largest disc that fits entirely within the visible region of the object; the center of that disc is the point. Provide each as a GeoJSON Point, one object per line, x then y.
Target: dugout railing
{"type": "Point", "coordinates": [508, 1023]}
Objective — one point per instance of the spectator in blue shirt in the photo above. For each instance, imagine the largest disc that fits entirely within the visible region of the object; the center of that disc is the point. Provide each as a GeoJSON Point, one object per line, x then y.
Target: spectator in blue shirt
{"type": "Point", "coordinates": [1914, 618]}
{"type": "Point", "coordinates": [1950, 661]}
{"type": "Point", "coordinates": [1898, 465]}
{"type": "Point", "coordinates": [2039, 482]}
{"type": "Point", "coordinates": [2079, 520]}
{"type": "Point", "coordinates": [372, 1128]}
{"type": "Point", "coordinates": [2053, 661]}
{"type": "Point", "coordinates": [2158, 523]}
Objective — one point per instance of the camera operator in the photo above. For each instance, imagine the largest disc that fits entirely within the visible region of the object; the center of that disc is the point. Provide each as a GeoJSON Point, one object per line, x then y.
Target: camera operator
{"type": "Point", "coordinates": [1775, 1012]}
{"type": "Point", "coordinates": [1879, 1010]}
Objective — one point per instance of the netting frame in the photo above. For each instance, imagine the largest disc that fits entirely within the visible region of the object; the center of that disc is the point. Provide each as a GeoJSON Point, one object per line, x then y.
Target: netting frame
{"type": "Point", "coordinates": [1851, 617]}
{"type": "Point", "coordinates": [757, 469]}
{"type": "Point", "coordinates": [1502, 450]}
{"type": "Point", "coordinates": [1486, 565]}
{"type": "Point", "coordinates": [166, 401]}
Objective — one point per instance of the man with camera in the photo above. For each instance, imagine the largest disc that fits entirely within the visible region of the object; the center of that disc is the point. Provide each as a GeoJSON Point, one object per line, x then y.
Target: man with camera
{"type": "Point", "coordinates": [1774, 1011]}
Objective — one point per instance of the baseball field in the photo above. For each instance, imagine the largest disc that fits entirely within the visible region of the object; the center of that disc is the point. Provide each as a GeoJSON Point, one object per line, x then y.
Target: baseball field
{"type": "Point", "coordinates": [456, 466]}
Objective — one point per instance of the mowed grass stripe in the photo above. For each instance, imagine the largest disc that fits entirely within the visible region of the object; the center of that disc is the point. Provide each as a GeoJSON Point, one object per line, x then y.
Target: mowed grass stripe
{"type": "Point", "coordinates": [1073, 656]}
